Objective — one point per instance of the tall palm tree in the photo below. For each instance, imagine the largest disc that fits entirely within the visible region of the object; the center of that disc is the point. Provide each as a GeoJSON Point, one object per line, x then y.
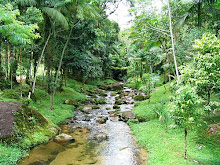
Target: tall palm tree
{"type": "Point", "coordinates": [51, 12]}
{"type": "Point", "coordinates": [77, 10]}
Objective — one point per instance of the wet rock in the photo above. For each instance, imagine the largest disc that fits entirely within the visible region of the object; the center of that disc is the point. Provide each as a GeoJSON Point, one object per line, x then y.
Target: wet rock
{"type": "Point", "coordinates": [94, 96]}
{"type": "Point", "coordinates": [113, 94]}
{"type": "Point", "coordinates": [116, 107]}
{"type": "Point", "coordinates": [86, 118]}
{"type": "Point", "coordinates": [87, 109]}
{"type": "Point", "coordinates": [111, 112]}
{"type": "Point", "coordinates": [102, 120]}
{"type": "Point", "coordinates": [104, 87]}
{"type": "Point", "coordinates": [117, 86]}
{"type": "Point", "coordinates": [125, 116]}
{"type": "Point", "coordinates": [100, 137]}
{"type": "Point", "coordinates": [61, 138]}
{"type": "Point", "coordinates": [108, 108]}
{"type": "Point", "coordinates": [139, 97]}
{"type": "Point", "coordinates": [114, 119]}
{"type": "Point", "coordinates": [95, 107]}
{"type": "Point", "coordinates": [117, 98]}
{"type": "Point", "coordinates": [56, 130]}
{"type": "Point", "coordinates": [117, 110]}
{"type": "Point", "coordinates": [103, 94]}
{"type": "Point", "coordinates": [100, 101]}
{"type": "Point", "coordinates": [118, 102]}
{"type": "Point", "coordinates": [72, 102]}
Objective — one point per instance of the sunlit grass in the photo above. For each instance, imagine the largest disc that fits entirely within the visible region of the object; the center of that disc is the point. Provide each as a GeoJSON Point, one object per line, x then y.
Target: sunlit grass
{"type": "Point", "coordinates": [167, 147]}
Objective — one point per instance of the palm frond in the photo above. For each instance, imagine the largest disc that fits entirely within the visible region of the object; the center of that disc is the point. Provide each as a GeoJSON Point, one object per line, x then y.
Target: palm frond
{"type": "Point", "coordinates": [57, 16]}
{"type": "Point", "coordinates": [94, 59]}
{"type": "Point", "coordinates": [27, 2]}
{"type": "Point", "coordinates": [87, 10]}
{"type": "Point", "coordinates": [179, 23]}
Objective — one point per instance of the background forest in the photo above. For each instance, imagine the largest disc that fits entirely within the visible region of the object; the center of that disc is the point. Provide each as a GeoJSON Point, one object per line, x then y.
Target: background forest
{"type": "Point", "coordinates": [51, 49]}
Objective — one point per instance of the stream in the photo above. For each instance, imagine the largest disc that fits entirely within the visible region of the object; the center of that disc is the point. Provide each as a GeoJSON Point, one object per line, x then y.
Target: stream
{"type": "Point", "coordinates": [99, 137]}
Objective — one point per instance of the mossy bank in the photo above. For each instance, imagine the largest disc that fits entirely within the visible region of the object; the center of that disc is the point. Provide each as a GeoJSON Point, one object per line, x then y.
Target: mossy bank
{"type": "Point", "coordinates": [36, 123]}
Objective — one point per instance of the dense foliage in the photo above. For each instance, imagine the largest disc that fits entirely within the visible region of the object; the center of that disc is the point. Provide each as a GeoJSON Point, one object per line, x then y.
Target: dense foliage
{"type": "Point", "coordinates": [171, 53]}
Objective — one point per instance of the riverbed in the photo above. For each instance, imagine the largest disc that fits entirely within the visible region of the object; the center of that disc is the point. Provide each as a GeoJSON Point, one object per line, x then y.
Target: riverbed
{"type": "Point", "coordinates": [100, 137]}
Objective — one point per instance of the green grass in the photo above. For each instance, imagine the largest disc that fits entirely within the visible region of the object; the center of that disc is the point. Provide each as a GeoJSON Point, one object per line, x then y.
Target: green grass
{"type": "Point", "coordinates": [9, 155]}
{"type": "Point", "coordinates": [61, 111]}
{"type": "Point", "coordinates": [145, 109]}
{"type": "Point", "coordinates": [167, 148]}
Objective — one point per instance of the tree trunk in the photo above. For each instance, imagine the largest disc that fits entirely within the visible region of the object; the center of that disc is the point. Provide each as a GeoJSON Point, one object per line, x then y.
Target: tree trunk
{"type": "Point", "coordinates": [13, 68]}
{"type": "Point", "coordinates": [185, 144]}
{"type": "Point", "coordinates": [141, 71]}
{"type": "Point", "coordinates": [209, 96]}
{"type": "Point", "coordinates": [21, 82]}
{"type": "Point", "coordinates": [58, 70]}
{"type": "Point", "coordinates": [6, 60]}
{"type": "Point", "coordinates": [172, 39]}
{"type": "Point", "coordinates": [199, 13]}
{"type": "Point", "coordinates": [168, 60]}
{"type": "Point", "coordinates": [39, 62]}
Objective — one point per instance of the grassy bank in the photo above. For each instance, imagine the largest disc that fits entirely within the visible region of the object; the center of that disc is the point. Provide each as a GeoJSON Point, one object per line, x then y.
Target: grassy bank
{"type": "Point", "coordinates": [18, 147]}
{"type": "Point", "coordinates": [166, 144]}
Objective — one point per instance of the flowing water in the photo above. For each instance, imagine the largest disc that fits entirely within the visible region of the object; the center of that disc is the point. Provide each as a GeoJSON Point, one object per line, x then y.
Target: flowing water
{"type": "Point", "coordinates": [110, 143]}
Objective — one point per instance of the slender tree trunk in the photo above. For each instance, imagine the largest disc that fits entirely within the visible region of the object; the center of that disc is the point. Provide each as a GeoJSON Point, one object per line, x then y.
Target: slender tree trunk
{"type": "Point", "coordinates": [13, 67]}
{"type": "Point", "coordinates": [29, 74]}
{"type": "Point", "coordinates": [61, 81]}
{"type": "Point", "coordinates": [21, 82]}
{"type": "Point", "coordinates": [172, 39]}
{"type": "Point", "coordinates": [185, 144]}
{"type": "Point", "coordinates": [199, 13]}
{"type": "Point", "coordinates": [6, 60]}
{"type": "Point", "coordinates": [58, 70]}
{"type": "Point", "coordinates": [168, 60]}
{"type": "Point", "coordinates": [39, 62]}
{"type": "Point", "coordinates": [209, 97]}
{"type": "Point", "coordinates": [151, 70]}
{"type": "Point", "coordinates": [65, 78]}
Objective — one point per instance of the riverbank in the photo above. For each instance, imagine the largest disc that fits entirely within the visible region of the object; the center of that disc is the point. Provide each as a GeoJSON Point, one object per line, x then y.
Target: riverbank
{"type": "Point", "coordinates": [165, 142]}
{"type": "Point", "coordinates": [18, 147]}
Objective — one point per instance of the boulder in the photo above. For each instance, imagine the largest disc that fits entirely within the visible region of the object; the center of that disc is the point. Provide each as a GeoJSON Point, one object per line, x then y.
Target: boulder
{"type": "Point", "coordinates": [100, 137]}
{"type": "Point", "coordinates": [116, 107]}
{"type": "Point", "coordinates": [72, 102]}
{"type": "Point", "coordinates": [95, 107]}
{"type": "Point", "coordinates": [61, 138]}
{"type": "Point", "coordinates": [117, 86]}
{"type": "Point", "coordinates": [100, 101]}
{"type": "Point", "coordinates": [118, 102]}
{"type": "Point", "coordinates": [102, 120]}
{"type": "Point", "coordinates": [113, 94]}
{"type": "Point", "coordinates": [86, 118]}
{"type": "Point", "coordinates": [125, 116]}
{"type": "Point", "coordinates": [87, 109]}
{"type": "Point", "coordinates": [139, 97]}
{"type": "Point", "coordinates": [17, 116]}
